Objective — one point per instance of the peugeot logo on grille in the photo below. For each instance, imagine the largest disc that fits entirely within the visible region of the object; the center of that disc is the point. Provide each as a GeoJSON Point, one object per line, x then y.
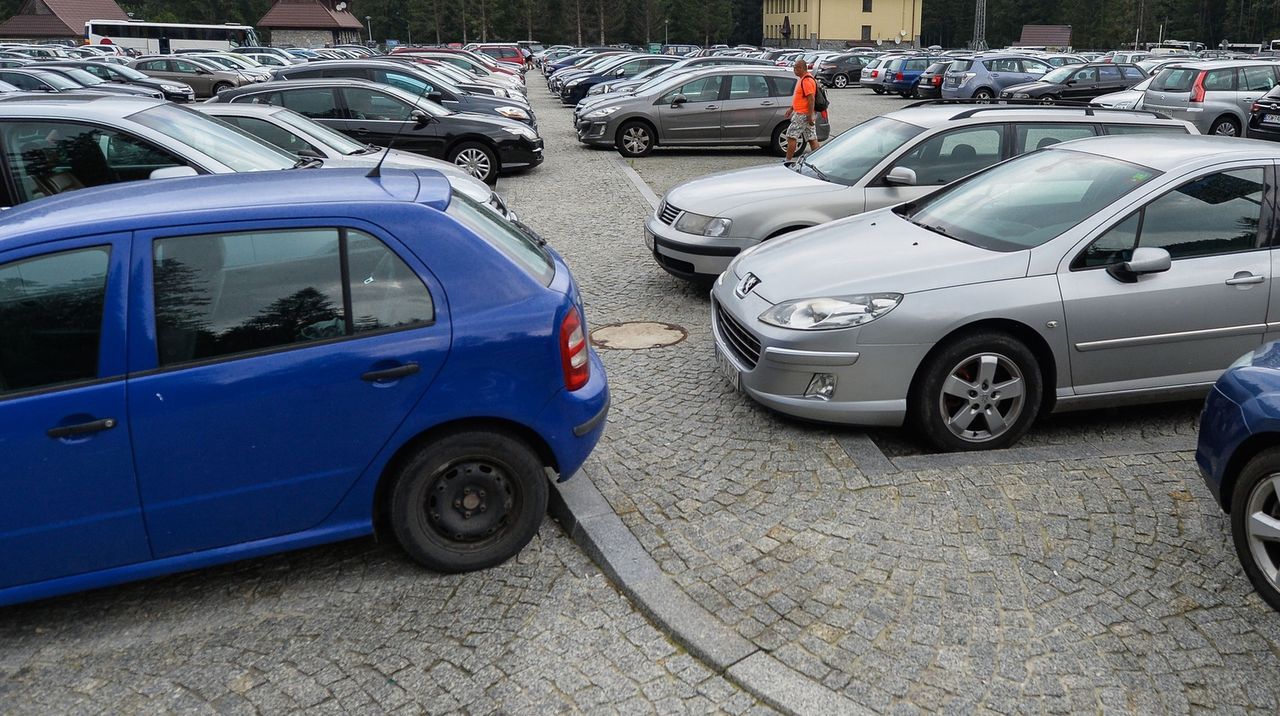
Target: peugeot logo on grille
{"type": "Point", "coordinates": [746, 285]}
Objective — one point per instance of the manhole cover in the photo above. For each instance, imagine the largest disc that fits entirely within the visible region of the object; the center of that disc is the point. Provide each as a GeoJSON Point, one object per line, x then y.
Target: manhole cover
{"type": "Point", "coordinates": [638, 335]}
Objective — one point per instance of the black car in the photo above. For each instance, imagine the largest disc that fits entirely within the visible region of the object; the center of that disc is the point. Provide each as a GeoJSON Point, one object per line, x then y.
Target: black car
{"type": "Point", "coordinates": [575, 89]}
{"type": "Point", "coordinates": [1264, 117]}
{"type": "Point", "coordinates": [172, 90]}
{"type": "Point", "coordinates": [374, 113]}
{"type": "Point", "coordinates": [842, 71]}
{"type": "Point", "coordinates": [88, 80]}
{"type": "Point", "coordinates": [1078, 82]}
{"type": "Point", "coordinates": [422, 82]}
{"type": "Point", "coordinates": [930, 86]}
{"type": "Point", "coordinates": [33, 80]}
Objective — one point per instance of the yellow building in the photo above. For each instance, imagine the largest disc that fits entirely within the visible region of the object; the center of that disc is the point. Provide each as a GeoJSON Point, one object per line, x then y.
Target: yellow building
{"type": "Point", "coordinates": [842, 23]}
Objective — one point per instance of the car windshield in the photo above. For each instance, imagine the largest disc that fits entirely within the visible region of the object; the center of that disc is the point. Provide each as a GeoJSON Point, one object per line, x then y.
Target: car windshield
{"type": "Point", "coordinates": [234, 148]}
{"type": "Point", "coordinates": [126, 72]}
{"type": "Point", "coordinates": [58, 81]}
{"type": "Point", "coordinates": [849, 157]}
{"type": "Point", "coordinates": [1059, 75]}
{"type": "Point", "coordinates": [651, 72]}
{"type": "Point", "coordinates": [508, 238]}
{"type": "Point", "coordinates": [335, 140]}
{"type": "Point", "coordinates": [85, 78]}
{"type": "Point", "coordinates": [1026, 201]}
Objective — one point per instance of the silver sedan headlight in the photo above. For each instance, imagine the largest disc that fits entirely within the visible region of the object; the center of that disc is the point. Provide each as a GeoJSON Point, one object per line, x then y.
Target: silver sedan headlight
{"type": "Point", "coordinates": [513, 113]}
{"type": "Point", "coordinates": [824, 314]}
{"type": "Point", "coordinates": [692, 223]}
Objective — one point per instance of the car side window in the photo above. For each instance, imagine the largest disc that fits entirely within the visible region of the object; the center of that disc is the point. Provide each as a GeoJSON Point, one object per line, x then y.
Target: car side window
{"type": "Point", "coordinates": [748, 87]}
{"type": "Point", "coordinates": [306, 74]}
{"type": "Point", "coordinates": [1256, 79]}
{"type": "Point", "coordinates": [1145, 129]}
{"type": "Point", "coordinates": [184, 67]}
{"type": "Point", "coordinates": [375, 105]}
{"type": "Point", "coordinates": [97, 70]}
{"type": "Point", "coordinates": [385, 292]}
{"type": "Point", "coordinates": [224, 294]}
{"type": "Point", "coordinates": [153, 66]}
{"type": "Point", "coordinates": [706, 89]}
{"type": "Point", "coordinates": [51, 318]}
{"type": "Point", "coordinates": [1087, 75]}
{"type": "Point", "coordinates": [22, 81]}
{"type": "Point", "coordinates": [1031, 137]}
{"type": "Point", "coordinates": [48, 158]}
{"type": "Point", "coordinates": [1109, 73]}
{"type": "Point", "coordinates": [403, 81]}
{"type": "Point", "coordinates": [1215, 214]}
{"type": "Point", "coordinates": [271, 133]}
{"type": "Point", "coordinates": [1005, 65]}
{"type": "Point", "coordinates": [1220, 80]}
{"type": "Point", "coordinates": [316, 103]}
{"type": "Point", "coordinates": [946, 157]}
{"type": "Point", "coordinates": [1035, 67]}
{"type": "Point", "coordinates": [1132, 73]}
{"type": "Point", "coordinates": [782, 86]}
{"type": "Point", "coordinates": [1212, 215]}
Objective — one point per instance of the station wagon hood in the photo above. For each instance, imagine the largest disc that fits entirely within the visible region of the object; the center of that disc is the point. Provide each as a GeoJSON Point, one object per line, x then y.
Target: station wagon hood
{"type": "Point", "coordinates": [874, 252]}
{"type": "Point", "coordinates": [1032, 87]}
{"type": "Point", "coordinates": [716, 194]}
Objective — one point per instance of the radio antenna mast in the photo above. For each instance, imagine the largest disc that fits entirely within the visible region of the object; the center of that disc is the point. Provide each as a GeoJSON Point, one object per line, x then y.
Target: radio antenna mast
{"type": "Point", "coordinates": [979, 41]}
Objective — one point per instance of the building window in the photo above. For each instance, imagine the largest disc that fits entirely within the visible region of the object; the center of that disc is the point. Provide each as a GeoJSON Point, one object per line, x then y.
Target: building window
{"type": "Point", "coordinates": [866, 33]}
{"type": "Point", "coordinates": [866, 7]}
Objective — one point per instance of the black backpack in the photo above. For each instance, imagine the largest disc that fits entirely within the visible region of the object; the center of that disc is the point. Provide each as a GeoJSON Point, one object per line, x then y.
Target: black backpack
{"type": "Point", "coordinates": [820, 102]}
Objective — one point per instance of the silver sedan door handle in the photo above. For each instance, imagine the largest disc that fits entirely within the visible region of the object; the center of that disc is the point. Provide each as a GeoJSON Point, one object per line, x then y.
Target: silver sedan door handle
{"type": "Point", "coordinates": [1244, 278]}
{"type": "Point", "coordinates": [713, 106]}
{"type": "Point", "coordinates": [766, 103]}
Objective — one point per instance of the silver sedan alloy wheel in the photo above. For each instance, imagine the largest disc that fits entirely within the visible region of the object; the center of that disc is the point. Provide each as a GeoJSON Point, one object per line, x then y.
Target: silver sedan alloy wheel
{"type": "Point", "coordinates": [1262, 523]}
{"type": "Point", "coordinates": [474, 161]}
{"type": "Point", "coordinates": [840, 81]}
{"type": "Point", "coordinates": [982, 397]}
{"type": "Point", "coordinates": [636, 139]}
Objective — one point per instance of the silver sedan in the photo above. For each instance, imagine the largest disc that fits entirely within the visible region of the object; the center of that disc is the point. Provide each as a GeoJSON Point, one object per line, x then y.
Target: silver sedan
{"type": "Point", "coordinates": [1097, 272]}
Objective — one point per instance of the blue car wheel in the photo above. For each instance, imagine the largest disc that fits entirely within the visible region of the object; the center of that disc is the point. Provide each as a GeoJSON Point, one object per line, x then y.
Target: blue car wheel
{"type": "Point", "coordinates": [469, 501]}
{"type": "Point", "coordinates": [1255, 523]}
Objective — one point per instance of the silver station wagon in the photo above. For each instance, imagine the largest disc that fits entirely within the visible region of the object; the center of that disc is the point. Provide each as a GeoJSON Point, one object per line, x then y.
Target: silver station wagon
{"type": "Point", "coordinates": [904, 155]}
{"type": "Point", "coordinates": [1094, 273]}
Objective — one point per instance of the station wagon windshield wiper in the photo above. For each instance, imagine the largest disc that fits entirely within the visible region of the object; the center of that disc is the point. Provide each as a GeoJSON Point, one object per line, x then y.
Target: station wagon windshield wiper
{"type": "Point", "coordinates": [308, 162]}
{"type": "Point", "coordinates": [939, 229]}
{"type": "Point", "coordinates": [821, 174]}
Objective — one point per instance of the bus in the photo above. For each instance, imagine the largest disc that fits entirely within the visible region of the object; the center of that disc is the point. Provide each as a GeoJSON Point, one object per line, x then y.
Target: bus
{"type": "Point", "coordinates": [165, 37]}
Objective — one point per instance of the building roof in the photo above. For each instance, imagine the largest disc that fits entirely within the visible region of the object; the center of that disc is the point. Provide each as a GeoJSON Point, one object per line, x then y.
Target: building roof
{"type": "Point", "coordinates": [309, 14]}
{"type": "Point", "coordinates": [59, 18]}
{"type": "Point", "coordinates": [1045, 36]}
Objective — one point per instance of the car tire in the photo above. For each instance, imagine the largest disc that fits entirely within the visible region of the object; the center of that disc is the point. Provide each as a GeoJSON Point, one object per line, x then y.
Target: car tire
{"type": "Point", "coordinates": [878, 90]}
{"type": "Point", "coordinates": [220, 87]}
{"type": "Point", "coordinates": [967, 381]}
{"type": "Point", "coordinates": [1257, 493]}
{"type": "Point", "coordinates": [778, 142]}
{"type": "Point", "coordinates": [635, 139]}
{"type": "Point", "coordinates": [983, 94]}
{"type": "Point", "coordinates": [840, 81]}
{"type": "Point", "coordinates": [477, 160]}
{"type": "Point", "coordinates": [1048, 99]}
{"type": "Point", "coordinates": [1225, 126]}
{"type": "Point", "coordinates": [468, 501]}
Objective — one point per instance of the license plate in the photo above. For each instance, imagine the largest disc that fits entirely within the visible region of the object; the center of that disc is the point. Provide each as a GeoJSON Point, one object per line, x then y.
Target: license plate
{"type": "Point", "coordinates": [729, 370]}
{"type": "Point", "coordinates": [1271, 118]}
{"type": "Point", "coordinates": [648, 239]}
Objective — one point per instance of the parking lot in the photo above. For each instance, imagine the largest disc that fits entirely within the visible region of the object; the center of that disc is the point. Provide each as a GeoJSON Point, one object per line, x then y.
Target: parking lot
{"type": "Point", "coordinates": [1086, 569]}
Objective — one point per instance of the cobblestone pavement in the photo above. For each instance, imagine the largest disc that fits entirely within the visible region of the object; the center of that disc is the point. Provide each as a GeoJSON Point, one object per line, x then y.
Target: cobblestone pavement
{"type": "Point", "coordinates": [355, 628]}
{"type": "Point", "coordinates": [1088, 570]}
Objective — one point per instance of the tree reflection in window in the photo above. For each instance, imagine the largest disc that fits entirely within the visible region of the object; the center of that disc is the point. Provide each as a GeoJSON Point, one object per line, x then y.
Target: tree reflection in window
{"type": "Point", "coordinates": [220, 295]}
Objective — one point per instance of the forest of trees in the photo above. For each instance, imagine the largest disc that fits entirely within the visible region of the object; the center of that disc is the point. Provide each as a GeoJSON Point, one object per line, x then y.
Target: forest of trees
{"type": "Point", "coordinates": [1096, 23]}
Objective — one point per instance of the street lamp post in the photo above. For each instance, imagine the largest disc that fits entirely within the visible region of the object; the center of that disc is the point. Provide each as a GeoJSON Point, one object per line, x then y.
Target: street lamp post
{"type": "Point", "coordinates": [369, 19]}
{"type": "Point", "coordinates": [666, 31]}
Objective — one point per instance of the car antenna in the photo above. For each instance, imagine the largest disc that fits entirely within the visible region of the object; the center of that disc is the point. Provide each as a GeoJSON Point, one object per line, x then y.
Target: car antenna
{"type": "Point", "coordinates": [376, 171]}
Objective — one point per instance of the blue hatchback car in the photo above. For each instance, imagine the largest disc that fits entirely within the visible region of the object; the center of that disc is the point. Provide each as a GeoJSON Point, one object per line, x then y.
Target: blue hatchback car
{"type": "Point", "coordinates": [204, 369]}
{"type": "Point", "coordinates": [1239, 456]}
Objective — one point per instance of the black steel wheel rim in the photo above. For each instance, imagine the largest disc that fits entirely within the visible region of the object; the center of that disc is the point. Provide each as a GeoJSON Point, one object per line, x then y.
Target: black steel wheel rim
{"type": "Point", "coordinates": [471, 501]}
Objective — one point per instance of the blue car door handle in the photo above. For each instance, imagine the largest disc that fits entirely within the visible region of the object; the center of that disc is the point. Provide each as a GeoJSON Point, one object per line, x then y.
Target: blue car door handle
{"type": "Point", "coordinates": [70, 431]}
{"type": "Point", "coordinates": [400, 371]}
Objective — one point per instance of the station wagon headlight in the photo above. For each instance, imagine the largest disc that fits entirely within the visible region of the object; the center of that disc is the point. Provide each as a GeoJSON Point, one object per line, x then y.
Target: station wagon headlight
{"type": "Point", "coordinates": [713, 226]}
{"type": "Point", "coordinates": [601, 113]}
{"type": "Point", "coordinates": [822, 314]}
{"type": "Point", "coordinates": [513, 113]}
{"type": "Point", "coordinates": [524, 132]}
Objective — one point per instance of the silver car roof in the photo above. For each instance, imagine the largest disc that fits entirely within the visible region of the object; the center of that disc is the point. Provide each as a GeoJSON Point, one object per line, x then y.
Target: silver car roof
{"type": "Point", "coordinates": [947, 114]}
{"type": "Point", "coordinates": [1166, 152]}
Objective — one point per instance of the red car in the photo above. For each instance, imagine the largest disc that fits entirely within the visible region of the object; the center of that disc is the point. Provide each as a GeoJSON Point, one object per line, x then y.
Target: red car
{"type": "Point", "coordinates": [505, 52]}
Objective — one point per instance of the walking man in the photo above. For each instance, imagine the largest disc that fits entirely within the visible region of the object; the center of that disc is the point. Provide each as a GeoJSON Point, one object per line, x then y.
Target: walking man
{"type": "Point", "coordinates": [804, 119]}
